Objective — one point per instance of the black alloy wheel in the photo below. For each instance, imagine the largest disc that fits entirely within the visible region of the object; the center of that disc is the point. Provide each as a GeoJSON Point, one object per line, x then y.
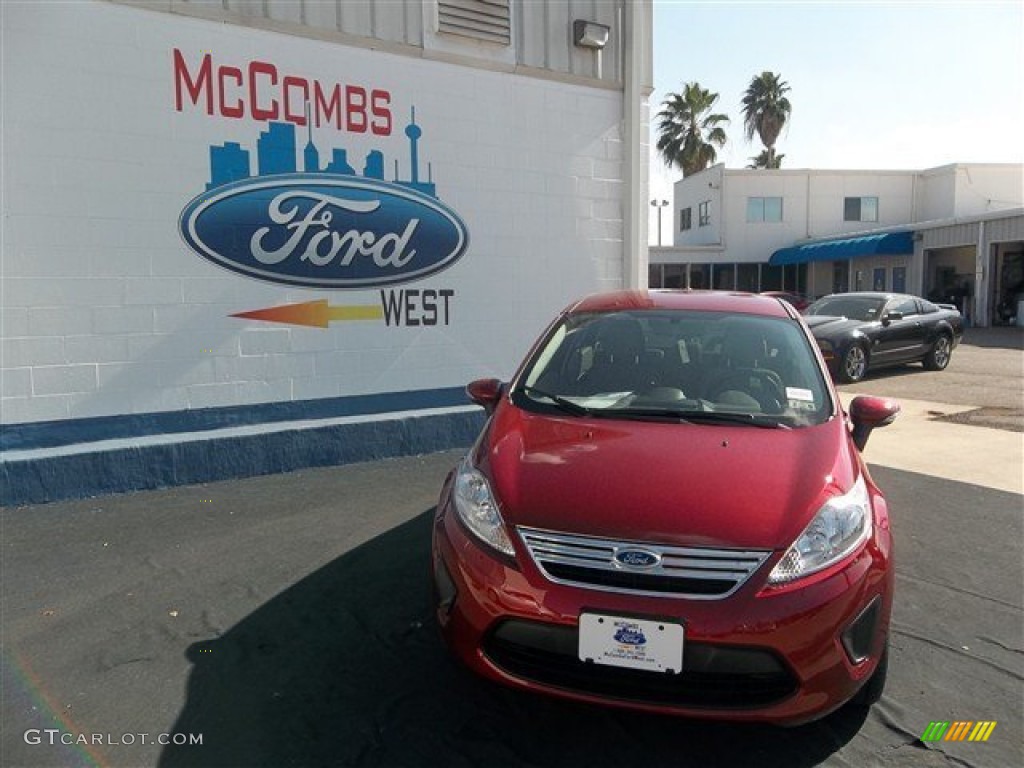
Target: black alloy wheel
{"type": "Point", "coordinates": [939, 355]}
{"type": "Point", "coordinates": [854, 364]}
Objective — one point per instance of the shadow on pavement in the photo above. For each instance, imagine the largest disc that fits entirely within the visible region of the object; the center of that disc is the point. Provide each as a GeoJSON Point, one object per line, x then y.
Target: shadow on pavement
{"type": "Point", "coordinates": [346, 668]}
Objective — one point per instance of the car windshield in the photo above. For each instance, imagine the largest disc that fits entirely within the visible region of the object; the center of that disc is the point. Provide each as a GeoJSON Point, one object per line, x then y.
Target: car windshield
{"type": "Point", "coordinates": [682, 366]}
{"type": "Point", "coordinates": [863, 308]}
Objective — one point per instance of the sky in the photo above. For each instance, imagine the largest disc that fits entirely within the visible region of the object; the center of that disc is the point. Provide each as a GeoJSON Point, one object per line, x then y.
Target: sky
{"type": "Point", "coordinates": [887, 85]}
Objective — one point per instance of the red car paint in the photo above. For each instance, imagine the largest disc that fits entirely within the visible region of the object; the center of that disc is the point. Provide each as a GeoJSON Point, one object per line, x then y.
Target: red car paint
{"type": "Point", "coordinates": [696, 485]}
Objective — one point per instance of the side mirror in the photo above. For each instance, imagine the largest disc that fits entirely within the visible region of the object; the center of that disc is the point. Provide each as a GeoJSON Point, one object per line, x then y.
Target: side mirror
{"type": "Point", "coordinates": [888, 317]}
{"type": "Point", "coordinates": [867, 413]}
{"type": "Point", "coordinates": [485, 392]}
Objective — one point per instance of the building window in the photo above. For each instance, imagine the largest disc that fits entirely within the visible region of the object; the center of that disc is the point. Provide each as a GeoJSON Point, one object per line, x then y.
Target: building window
{"type": "Point", "coordinates": [674, 276]}
{"type": "Point", "coordinates": [699, 276]}
{"type": "Point", "coordinates": [704, 214]}
{"type": "Point", "coordinates": [860, 209]}
{"type": "Point", "coordinates": [841, 278]}
{"type": "Point", "coordinates": [747, 277]}
{"type": "Point", "coordinates": [764, 209]}
{"type": "Point", "coordinates": [654, 276]}
{"type": "Point", "coordinates": [725, 277]}
{"type": "Point", "coordinates": [685, 219]}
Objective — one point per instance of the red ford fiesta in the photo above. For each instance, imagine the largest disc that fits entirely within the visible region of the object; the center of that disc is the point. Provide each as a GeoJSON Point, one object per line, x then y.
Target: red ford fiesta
{"type": "Point", "coordinates": [667, 509]}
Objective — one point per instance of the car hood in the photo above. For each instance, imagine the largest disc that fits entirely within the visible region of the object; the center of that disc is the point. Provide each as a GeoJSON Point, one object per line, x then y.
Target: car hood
{"type": "Point", "coordinates": [828, 325]}
{"type": "Point", "coordinates": [670, 483]}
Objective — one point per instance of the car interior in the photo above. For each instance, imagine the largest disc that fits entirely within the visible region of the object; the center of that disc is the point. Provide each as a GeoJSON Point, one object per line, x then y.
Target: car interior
{"type": "Point", "coordinates": [690, 361]}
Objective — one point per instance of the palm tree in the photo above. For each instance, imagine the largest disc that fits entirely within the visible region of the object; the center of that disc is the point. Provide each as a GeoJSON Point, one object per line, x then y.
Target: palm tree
{"type": "Point", "coordinates": [765, 111]}
{"type": "Point", "coordinates": [688, 131]}
{"type": "Point", "coordinates": [763, 161]}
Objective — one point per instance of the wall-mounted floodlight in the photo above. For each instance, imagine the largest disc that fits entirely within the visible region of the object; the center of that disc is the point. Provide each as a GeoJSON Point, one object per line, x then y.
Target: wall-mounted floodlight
{"type": "Point", "coordinates": [590, 34]}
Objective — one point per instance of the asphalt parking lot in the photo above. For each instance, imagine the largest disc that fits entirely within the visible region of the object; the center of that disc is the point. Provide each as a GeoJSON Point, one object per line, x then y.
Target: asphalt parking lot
{"type": "Point", "coordinates": [286, 620]}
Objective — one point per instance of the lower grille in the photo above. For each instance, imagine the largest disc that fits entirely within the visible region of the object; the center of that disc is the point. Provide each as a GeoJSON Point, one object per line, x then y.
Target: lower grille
{"type": "Point", "coordinates": [714, 677]}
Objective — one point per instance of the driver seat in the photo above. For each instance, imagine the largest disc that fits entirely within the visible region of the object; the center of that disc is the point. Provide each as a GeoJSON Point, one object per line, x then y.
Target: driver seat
{"type": "Point", "coordinates": [744, 353]}
{"type": "Point", "coordinates": [620, 362]}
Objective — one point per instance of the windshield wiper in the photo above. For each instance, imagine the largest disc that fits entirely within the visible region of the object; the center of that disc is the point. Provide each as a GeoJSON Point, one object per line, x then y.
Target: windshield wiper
{"type": "Point", "coordinates": [747, 419]}
{"type": "Point", "coordinates": [660, 414]}
{"type": "Point", "coordinates": [694, 417]}
{"type": "Point", "coordinates": [565, 404]}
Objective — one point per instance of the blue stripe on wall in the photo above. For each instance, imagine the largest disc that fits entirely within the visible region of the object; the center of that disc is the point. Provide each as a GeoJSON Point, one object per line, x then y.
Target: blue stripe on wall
{"type": "Point", "coordinates": [50, 434]}
{"type": "Point", "coordinates": [32, 481]}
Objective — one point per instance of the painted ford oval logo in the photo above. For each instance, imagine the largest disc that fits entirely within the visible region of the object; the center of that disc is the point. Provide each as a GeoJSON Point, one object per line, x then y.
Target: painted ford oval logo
{"type": "Point", "coordinates": [637, 558]}
{"type": "Point", "coordinates": [324, 230]}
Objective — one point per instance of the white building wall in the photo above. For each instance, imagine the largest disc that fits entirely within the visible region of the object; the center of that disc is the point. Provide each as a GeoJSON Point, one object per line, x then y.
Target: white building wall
{"type": "Point", "coordinates": [107, 311]}
{"type": "Point", "coordinates": [691, 192]}
{"type": "Point", "coordinates": [987, 188]}
{"type": "Point", "coordinates": [755, 241]}
{"type": "Point", "coordinates": [936, 194]}
{"type": "Point", "coordinates": [968, 189]}
{"type": "Point", "coordinates": [813, 203]}
{"type": "Point", "coordinates": [539, 29]}
{"type": "Point", "coordinates": [828, 192]}
{"type": "Point", "coordinates": [813, 206]}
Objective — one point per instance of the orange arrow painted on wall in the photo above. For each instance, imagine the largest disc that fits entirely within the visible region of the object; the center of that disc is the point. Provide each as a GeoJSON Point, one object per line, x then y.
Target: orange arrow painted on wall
{"type": "Point", "coordinates": [318, 314]}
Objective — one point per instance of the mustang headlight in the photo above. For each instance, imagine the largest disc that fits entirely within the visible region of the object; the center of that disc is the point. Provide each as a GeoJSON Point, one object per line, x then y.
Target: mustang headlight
{"type": "Point", "coordinates": [478, 509]}
{"type": "Point", "coordinates": [838, 529]}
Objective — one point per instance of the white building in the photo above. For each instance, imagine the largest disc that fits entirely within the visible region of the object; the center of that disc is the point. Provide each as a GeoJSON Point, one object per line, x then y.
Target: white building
{"type": "Point", "coordinates": [242, 237]}
{"type": "Point", "coordinates": [941, 231]}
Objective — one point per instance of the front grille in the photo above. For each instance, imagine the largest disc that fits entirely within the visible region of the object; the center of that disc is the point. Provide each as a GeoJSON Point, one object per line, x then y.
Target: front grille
{"type": "Point", "coordinates": [693, 572]}
{"type": "Point", "coordinates": [713, 677]}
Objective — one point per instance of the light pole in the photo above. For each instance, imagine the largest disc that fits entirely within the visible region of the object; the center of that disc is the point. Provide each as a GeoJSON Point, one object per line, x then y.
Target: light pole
{"type": "Point", "coordinates": [659, 204]}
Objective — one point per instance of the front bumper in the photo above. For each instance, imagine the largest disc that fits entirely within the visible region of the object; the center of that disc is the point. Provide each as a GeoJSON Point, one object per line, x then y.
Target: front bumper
{"type": "Point", "coordinates": [785, 656]}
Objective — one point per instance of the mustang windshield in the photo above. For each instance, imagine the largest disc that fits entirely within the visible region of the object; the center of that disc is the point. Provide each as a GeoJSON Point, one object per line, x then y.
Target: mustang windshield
{"type": "Point", "coordinates": [854, 307]}
{"type": "Point", "coordinates": [648, 364]}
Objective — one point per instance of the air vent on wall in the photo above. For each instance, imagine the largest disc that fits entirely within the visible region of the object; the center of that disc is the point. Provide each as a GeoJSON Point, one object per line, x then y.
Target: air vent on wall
{"type": "Point", "coordinates": [480, 19]}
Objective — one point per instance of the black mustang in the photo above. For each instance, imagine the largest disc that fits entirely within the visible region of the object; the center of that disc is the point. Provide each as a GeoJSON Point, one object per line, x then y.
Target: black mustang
{"type": "Point", "coordinates": [860, 330]}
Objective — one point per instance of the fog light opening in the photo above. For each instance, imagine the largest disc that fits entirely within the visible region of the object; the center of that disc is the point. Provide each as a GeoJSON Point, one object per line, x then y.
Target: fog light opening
{"type": "Point", "coordinates": [444, 587]}
{"type": "Point", "coordinates": [858, 636]}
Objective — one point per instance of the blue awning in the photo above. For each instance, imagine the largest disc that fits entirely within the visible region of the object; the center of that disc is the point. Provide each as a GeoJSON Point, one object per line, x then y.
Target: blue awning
{"type": "Point", "coordinates": [840, 249]}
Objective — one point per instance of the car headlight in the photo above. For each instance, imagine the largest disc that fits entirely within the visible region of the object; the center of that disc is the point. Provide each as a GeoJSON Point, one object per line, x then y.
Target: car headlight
{"type": "Point", "coordinates": [840, 526]}
{"type": "Point", "coordinates": [478, 509]}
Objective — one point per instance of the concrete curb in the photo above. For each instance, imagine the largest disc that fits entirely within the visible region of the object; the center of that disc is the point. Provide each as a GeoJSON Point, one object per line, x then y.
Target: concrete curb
{"type": "Point", "coordinates": [916, 442]}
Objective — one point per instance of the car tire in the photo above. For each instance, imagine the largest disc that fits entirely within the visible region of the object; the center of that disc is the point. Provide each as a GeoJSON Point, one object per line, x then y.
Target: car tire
{"type": "Point", "coordinates": [940, 353]}
{"type": "Point", "coordinates": [853, 365]}
{"type": "Point", "coordinates": [872, 690]}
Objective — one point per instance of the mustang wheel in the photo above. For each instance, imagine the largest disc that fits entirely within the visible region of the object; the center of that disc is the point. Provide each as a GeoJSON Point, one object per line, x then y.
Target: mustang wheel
{"type": "Point", "coordinates": [854, 364]}
{"type": "Point", "coordinates": [938, 356]}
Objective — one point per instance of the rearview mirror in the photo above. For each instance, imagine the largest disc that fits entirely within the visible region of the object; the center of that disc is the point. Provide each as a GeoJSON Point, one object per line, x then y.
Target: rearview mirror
{"type": "Point", "coordinates": [485, 392]}
{"type": "Point", "coordinates": [867, 413]}
{"type": "Point", "coordinates": [888, 317]}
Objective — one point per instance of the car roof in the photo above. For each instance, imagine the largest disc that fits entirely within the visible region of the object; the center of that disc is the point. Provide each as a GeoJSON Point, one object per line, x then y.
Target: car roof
{"type": "Point", "coordinates": [872, 295]}
{"type": "Point", "coordinates": [702, 301]}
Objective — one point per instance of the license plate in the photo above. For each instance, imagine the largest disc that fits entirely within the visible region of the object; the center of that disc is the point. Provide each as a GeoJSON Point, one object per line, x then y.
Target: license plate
{"type": "Point", "coordinates": [619, 641]}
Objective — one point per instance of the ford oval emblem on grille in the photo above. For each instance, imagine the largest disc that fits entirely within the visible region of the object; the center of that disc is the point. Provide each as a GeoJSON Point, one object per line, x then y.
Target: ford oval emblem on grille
{"type": "Point", "coordinates": [637, 558]}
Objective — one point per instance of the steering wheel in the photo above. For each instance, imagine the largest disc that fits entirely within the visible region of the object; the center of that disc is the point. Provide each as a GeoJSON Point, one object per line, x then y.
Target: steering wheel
{"type": "Point", "coordinates": [770, 391]}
